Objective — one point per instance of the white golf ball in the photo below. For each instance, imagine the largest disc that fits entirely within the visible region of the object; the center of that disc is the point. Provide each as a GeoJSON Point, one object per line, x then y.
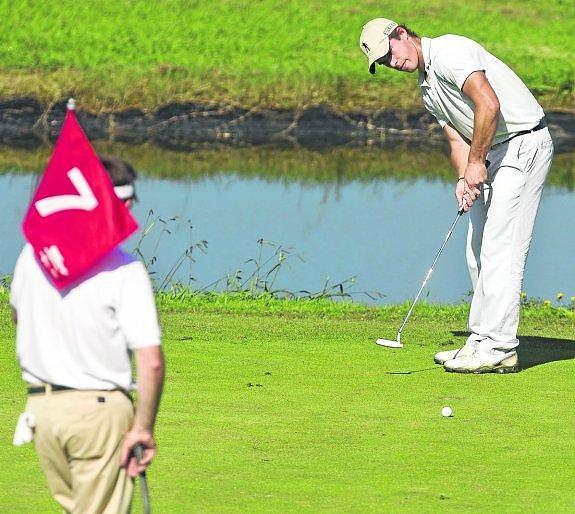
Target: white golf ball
{"type": "Point", "coordinates": [447, 412]}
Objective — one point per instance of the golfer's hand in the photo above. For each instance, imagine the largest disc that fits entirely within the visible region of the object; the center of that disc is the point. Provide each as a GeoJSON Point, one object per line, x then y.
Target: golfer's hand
{"type": "Point", "coordinates": [127, 458]}
{"type": "Point", "coordinates": [475, 176]}
{"type": "Point", "coordinates": [459, 192]}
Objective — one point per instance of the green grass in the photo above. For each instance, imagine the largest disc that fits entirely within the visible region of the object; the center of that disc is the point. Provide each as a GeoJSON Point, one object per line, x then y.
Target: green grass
{"type": "Point", "coordinates": [115, 54]}
{"type": "Point", "coordinates": [336, 166]}
{"type": "Point", "coordinates": [290, 407]}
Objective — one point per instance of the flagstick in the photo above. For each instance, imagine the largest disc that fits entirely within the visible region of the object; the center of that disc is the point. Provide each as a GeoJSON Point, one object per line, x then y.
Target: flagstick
{"type": "Point", "coordinates": [139, 453]}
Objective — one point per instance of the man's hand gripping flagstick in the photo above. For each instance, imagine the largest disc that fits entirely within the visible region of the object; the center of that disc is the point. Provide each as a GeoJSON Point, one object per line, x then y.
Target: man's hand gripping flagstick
{"type": "Point", "coordinates": [139, 454]}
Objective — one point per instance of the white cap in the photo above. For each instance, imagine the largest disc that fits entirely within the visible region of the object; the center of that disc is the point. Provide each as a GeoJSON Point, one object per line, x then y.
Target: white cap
{"type": "Point", "coordinates": [125, 192]}
{"type": "Point", "coordinates": [374, 39]}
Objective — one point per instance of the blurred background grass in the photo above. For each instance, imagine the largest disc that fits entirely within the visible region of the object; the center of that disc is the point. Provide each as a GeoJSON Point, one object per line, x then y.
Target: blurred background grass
{"type": "Point", "coordinates": [116, 54]}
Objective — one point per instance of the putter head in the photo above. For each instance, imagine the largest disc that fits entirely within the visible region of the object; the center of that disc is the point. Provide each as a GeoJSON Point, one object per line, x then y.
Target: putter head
{"type": "Point", "coordinates": [389, 343]}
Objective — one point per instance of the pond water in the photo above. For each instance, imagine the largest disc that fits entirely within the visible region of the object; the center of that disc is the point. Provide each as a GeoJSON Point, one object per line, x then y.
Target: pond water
{"type": "Point", "coordinates": [384, 232]}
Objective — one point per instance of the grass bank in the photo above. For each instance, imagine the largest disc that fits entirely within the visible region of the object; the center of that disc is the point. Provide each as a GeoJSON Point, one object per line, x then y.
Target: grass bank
{"type": "Point", "coordinates": [290, 407]}
{"type": "Point", "coordinates": [116, 54]}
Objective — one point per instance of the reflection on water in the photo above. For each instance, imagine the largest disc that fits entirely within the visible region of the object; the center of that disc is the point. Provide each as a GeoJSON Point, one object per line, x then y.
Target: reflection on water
{"type": "Point", "coordinates": [403, 163]}
{"type": "Point", "coordinates": [384, 231]}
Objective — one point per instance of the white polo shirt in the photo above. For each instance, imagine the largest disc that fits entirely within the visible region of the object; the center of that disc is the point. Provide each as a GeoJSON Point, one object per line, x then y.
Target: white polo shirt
{"type": "Point", "coordinates": [449, 60]}
{"type": "Point", "coordinates": [82, 337]}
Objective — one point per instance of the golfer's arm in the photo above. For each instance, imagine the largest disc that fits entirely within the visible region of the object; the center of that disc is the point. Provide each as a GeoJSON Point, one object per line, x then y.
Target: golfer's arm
{"type": "Point", "coordinates": [459, 149]}
{"type": "Point", "coordinates": [479, 90]}
{"type": "Point", "coordinates": [150, 373]}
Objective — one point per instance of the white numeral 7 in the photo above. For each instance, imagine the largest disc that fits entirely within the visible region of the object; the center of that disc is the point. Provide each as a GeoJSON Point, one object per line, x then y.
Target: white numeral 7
{"type": "Point", "coordinates": [84, 200]}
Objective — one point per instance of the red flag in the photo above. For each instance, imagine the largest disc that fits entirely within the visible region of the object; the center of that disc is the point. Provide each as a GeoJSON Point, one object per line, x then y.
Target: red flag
{"type": "Point", "coordinates": [75, 217]}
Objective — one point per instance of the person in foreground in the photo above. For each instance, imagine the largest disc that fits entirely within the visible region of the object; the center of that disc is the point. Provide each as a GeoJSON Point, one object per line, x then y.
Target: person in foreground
{"type": "Point", "coordinates": [74, 348]}
{"type": "Point", "coordinates": [501, 151]}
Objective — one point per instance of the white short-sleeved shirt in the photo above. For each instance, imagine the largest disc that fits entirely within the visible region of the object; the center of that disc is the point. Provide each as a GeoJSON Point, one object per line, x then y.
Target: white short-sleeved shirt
{"type": "Point", "coordinates": [449, 60]}
{"type": "Point", "coordinates": [82, 337]}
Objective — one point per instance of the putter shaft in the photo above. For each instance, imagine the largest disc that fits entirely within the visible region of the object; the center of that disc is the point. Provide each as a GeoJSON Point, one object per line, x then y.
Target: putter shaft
{"type": "Point", "coordinates": [430, 271]}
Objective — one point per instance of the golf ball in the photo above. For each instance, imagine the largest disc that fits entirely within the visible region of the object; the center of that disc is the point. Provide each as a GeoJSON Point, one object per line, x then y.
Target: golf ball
{"type": "Point", "coordinates": [447, 412]}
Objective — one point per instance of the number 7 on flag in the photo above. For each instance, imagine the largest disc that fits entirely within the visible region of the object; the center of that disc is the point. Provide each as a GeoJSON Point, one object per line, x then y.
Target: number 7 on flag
{"type": "Point", "coordinates": [84, 200]}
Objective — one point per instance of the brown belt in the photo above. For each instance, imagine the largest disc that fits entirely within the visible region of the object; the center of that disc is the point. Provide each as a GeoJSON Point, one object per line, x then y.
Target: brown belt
{"type": "Point", "coordinates": [47, 388]}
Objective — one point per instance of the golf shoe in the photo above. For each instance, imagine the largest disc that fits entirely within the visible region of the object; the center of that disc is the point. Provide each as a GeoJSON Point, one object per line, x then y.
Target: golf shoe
{"type": "Point", "coordinates": [492, 361]}
{"type": "Point", "coordinates": [466, 350]}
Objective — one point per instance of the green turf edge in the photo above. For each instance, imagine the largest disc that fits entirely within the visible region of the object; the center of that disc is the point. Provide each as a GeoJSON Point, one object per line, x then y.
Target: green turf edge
{"type": "Point", "coordinates": [267, 304]}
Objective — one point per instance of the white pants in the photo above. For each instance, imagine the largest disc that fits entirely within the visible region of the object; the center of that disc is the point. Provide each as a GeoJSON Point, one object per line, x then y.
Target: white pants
{"type": "Point", "coordinates": [500, 228]}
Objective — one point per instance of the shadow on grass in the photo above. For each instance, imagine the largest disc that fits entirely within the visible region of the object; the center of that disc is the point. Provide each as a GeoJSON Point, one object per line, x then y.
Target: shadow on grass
{"type": "Point", "coordinates": [409, 372]}
{"type": "Point", "coordinates": [535, 350]}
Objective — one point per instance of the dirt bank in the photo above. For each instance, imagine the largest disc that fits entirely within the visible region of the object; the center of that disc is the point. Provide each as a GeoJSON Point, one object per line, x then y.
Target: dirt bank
{"type": "Point", "coordinates": [25, 122]}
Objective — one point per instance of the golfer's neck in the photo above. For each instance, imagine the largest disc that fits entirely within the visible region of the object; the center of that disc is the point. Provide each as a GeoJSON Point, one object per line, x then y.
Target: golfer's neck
{"type": "Point", "coordinates": [417, 44]}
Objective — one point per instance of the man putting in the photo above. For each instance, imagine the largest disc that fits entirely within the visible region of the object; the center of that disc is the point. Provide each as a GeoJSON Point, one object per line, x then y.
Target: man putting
{"type": "Point", "coordinates": [501, 151]}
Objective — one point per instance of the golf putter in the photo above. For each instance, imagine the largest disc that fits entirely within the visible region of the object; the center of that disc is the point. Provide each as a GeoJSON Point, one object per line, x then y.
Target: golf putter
{"type": "Point", "coordinates": [396, 343]}
{"type": "Point", "coordinates": [139, 454]}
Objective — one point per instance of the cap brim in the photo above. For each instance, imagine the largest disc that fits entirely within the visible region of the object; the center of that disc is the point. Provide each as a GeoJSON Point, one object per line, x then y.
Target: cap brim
{"type": "Point", "coordinates": [377, 53]}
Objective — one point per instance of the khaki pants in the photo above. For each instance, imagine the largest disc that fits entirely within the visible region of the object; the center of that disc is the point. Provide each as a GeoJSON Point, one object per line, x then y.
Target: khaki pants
{"type": "Point", "coordinates": [500, 231]}
{"type": "Point", "coordinates": [78, 438]}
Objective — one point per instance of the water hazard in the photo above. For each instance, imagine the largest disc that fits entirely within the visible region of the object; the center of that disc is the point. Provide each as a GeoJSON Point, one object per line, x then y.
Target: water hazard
{"type": "Point", "coordinates": [374, 231]}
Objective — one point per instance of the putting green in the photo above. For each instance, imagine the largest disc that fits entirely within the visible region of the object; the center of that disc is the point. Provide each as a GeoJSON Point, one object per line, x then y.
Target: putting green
{"type": "Point", "coordinates": [291, 407]}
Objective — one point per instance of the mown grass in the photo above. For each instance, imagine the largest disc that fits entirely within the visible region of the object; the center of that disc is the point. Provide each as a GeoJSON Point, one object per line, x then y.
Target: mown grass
{"type": "Point", "coordinates": [290, 407]}
{"type": "Point", "coordinates": [338, 165]}
{"type": "Point", "coordinates": [115, 54]}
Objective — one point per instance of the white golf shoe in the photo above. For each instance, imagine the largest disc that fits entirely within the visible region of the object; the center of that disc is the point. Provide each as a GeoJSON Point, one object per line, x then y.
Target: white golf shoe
{"type": "Point", "coordinates": [465, 351]}
{"type": "Point", "coordinates": [492, 361]}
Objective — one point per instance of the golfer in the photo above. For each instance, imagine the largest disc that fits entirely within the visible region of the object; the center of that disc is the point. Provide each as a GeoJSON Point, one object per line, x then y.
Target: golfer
{"type": "Point", "coordinates": [74, 349]}
{"type": "Point", "coordinates": [501, 151]}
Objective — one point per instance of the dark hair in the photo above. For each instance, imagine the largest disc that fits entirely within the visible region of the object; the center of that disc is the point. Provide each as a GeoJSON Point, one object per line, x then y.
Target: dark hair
{"type": "Point", "coordinates": [395, 33]}
{"type": "Point", "coordinates": [120, 171]}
